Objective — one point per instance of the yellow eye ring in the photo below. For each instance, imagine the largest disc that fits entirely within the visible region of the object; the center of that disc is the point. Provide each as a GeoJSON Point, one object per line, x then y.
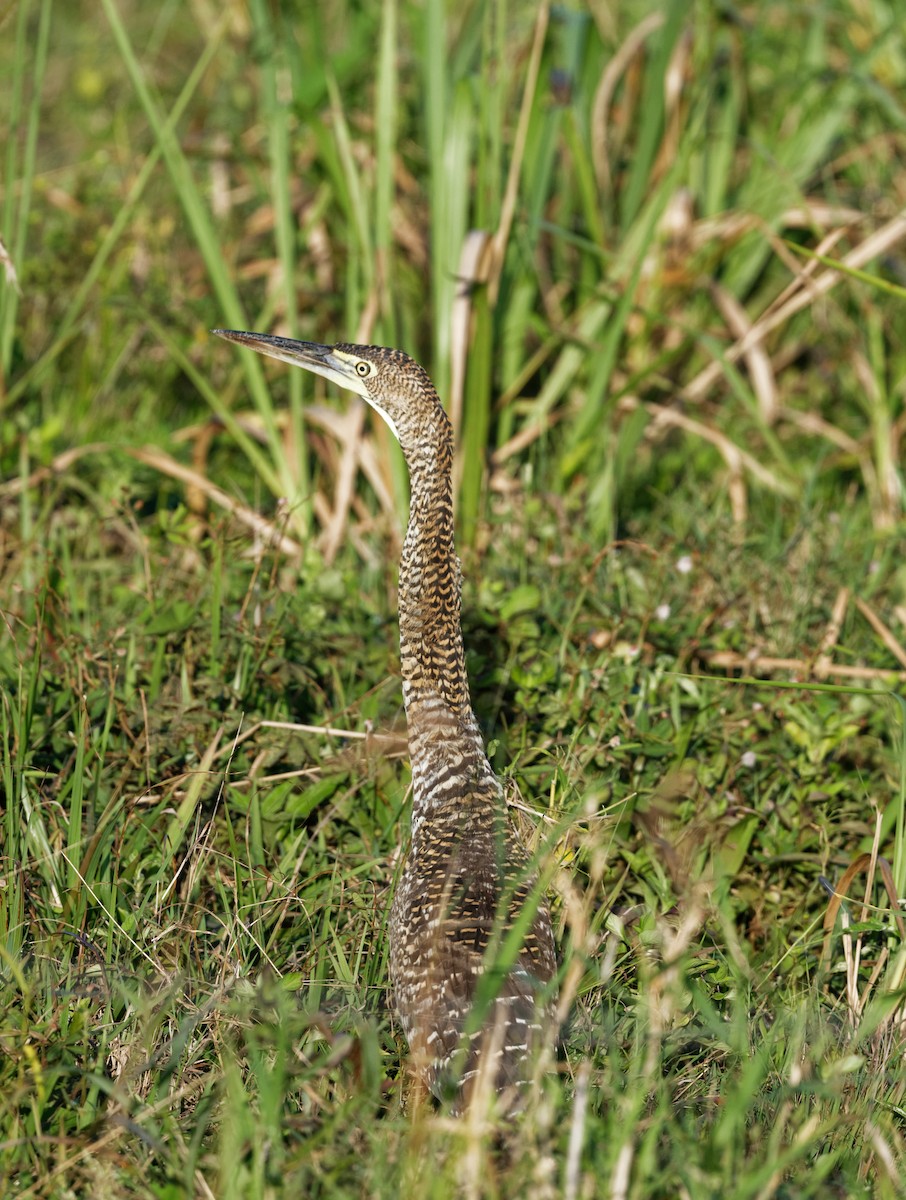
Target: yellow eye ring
{"type": "Point", "coordinates": [363, 369]}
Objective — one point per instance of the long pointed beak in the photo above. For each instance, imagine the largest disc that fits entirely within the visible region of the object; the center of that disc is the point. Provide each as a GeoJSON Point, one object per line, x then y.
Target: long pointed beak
{"type": "Point", "coordinates": [313, 357]}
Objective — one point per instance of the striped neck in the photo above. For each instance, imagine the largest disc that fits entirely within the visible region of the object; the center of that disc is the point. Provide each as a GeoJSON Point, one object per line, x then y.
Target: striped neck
{"type": "Point", "coordinates": [431, 649]}
{"type": "Point", "coordinates": [445, 745]}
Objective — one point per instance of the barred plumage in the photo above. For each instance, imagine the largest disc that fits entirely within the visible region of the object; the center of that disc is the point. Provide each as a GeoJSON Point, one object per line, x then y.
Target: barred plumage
{"type": "Point", "coordinates": [465, 883]}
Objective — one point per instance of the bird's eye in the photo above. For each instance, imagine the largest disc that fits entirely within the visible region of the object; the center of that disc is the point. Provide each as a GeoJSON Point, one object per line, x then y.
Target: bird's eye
{"type": "Point", "coordinates": [363, 369]}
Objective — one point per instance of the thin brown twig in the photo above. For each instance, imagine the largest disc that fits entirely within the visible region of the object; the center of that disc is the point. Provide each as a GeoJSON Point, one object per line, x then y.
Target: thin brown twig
{"type": "Point", "coordinates": [824, 662]}
{"type": "Point", "coordinates": [296, 727]}
{"type": "Point", "coordinates": [167, 465]}
{"type": "Point", "coordinates": [875, 244]}
{"type": "Point", "coordinates": [758, 362]}
{"type": "Point", "coordinates": [353, 424]}
{"type": "Point", "coordinates": [605, 91]}
{"type": "Point", "coordinates": [882, 631]}
{"type": "Point", "coordinates": [731, 661]}
{"type": "Point", "coordinates": [62, 462]}
{"type": "Point", "coordinates": [733, 455]}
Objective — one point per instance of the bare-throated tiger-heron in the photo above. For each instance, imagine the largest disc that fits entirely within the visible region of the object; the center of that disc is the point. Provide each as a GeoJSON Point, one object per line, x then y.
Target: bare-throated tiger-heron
{"type": "Point", "coordinates": [471, 947]}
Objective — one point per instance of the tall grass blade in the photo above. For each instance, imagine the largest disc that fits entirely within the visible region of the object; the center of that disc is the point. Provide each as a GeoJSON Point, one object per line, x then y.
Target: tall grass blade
{"type": "Point", "coordinates": [202, 227]}
{"type": "Point", "coordinates": [29, 65]}
{"type": "Point", "coordinates": [277, 104]}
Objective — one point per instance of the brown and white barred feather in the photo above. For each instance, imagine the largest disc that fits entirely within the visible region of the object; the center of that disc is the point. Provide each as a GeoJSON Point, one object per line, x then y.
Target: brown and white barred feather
{"type": "Point", "coordinates": [465, 884]}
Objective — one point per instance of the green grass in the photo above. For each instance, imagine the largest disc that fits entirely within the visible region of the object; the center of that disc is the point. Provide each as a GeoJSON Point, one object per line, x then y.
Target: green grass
{"type": "Point", "coordinates": [684, 606]}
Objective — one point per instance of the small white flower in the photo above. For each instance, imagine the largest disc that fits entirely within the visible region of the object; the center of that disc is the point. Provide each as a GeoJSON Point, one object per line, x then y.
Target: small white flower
{"type": "Point", "coordinates": [626, 650]}
{"type": "Point", "coordinates": [662, 612]}
{"type": "Point", "coordinates": [749, 759]}
{"type": "Point", "coordinates": [684, 564]}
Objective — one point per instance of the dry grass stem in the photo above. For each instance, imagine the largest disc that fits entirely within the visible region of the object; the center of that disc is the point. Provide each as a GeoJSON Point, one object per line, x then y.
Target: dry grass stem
{"type": "Point", "coordinates": [266, 530]}
{"type": "Point", "coordinates": [881, 630]}
{"type": "Point", "coordinates": [876, 244]}
{"type": "Point", "coordinates": [757, 360]}
{"type": "Point", "coordinates": [616, 67]}
{"type": "Point", "coordinates": [766, 664]}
